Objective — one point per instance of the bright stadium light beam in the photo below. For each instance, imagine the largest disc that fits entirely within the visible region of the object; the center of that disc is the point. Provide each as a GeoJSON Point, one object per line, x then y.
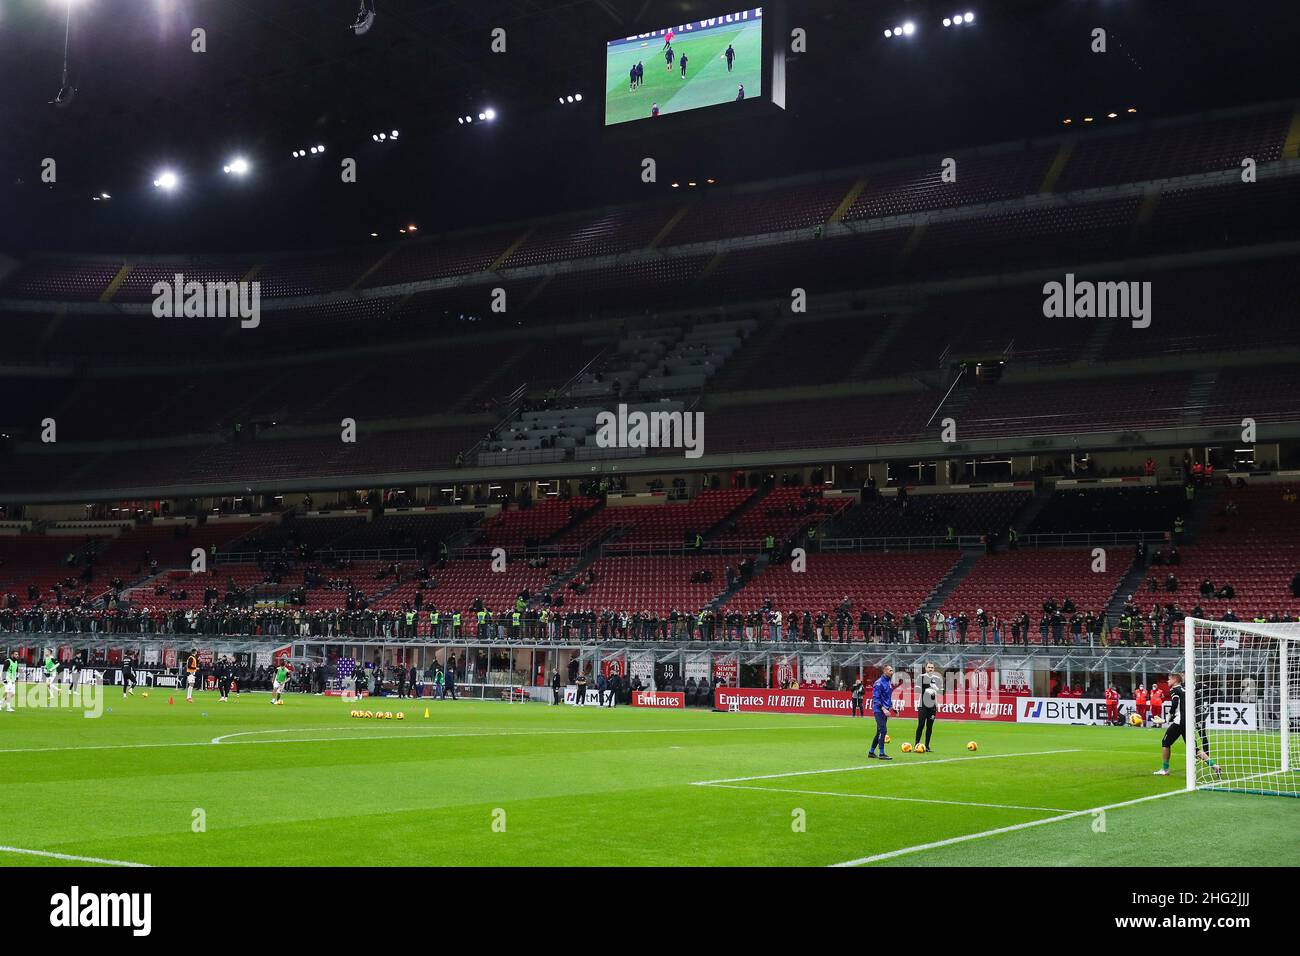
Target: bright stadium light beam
{"type": "Point", "coordinates": [238, 166]}
{"type": "Point", "coordinates": [166, 181]}
{"type": "Point", "coordinates": [909, 28]}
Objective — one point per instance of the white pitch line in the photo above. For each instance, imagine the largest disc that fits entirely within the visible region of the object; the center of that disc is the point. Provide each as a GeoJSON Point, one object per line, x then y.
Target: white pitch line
{"type": "Point", "coordinates": [307, 730]}
{"type": "Point", "coordinates": [880, 766]}
{"type": "Point", "coordinates": [874, 796]}
{"type": "Point", "coordinates": [403, 735]}
{"type": "Point", "coordinates": [68, 857]}
{"type": "Point", "coordinates": [876, 858]}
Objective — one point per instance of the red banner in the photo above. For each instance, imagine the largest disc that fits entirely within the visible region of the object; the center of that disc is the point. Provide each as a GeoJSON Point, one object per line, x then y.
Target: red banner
{"type": "Point", "coordinates": [663, 701]}
{"type": "Point", "coordinates": [840, 702]}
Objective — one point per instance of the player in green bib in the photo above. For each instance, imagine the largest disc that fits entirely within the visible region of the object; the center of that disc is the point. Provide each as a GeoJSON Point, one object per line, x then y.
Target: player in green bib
{"type": "Point", "coordinates": [51, 674]}
{"type": "Point", "coordinates": [10, 681]}
{"type": "Point", "coordinates": [281, 678]}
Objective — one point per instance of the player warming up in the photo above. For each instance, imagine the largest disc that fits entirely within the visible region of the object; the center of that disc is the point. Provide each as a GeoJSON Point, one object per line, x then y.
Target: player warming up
{"type": "Point", "coordinates": [225, 674]}
{"type": "Point", "coordinates": [281, 678]}
{"type": "Point", "coordinates": [730, 56]}
{"type": "Point", "coordinates": [928, 706]}
{"type": "Point", "coordinates": [128, 678]}
{"type": "Point", "coordinates": [1177, 727]}
{"type": "Point", "coordinates": [51, 675]}
{"type": "Point", "coordinates": [191, 672]}
{"type": "Point", "coordinates": [882, 702]}
{"type": "Point", "coordinates": [10, 681]}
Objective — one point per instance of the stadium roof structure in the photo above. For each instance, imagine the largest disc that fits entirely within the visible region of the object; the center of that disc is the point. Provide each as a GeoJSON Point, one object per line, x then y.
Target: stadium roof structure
{"type": "Point", "coordinates": [278, 75]}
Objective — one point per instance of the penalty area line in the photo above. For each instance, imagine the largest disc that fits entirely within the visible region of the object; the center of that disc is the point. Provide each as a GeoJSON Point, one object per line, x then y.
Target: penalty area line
{"type": "Point", "coordinates": [896, 762]}
{"type": "Point", "coordinates": [965, 838]}
{"type": "Point", "coordinates": [877, 796]}
{"type": "Point", "coordinates": [68, 857]}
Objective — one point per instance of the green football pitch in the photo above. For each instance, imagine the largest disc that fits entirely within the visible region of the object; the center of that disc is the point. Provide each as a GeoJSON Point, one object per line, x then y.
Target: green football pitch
{"type": "Point", "coordinates": [707, 81]}
{"type": "Point", "coordinates": [490, 783]}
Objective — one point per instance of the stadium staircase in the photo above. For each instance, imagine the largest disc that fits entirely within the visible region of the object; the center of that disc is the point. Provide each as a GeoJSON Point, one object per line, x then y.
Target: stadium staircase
{"type": "Point", "coordinates": [753, 351]}
{"type": "Point", "coordinates": [1096, 344]}
{"type": "Point", "coordinates": [950, 581]}
{"type": "Point", "coordinates": [716, 605]}
{"type": "Point", "coordinates": [729, 521]}
{"type": "Point", "coordinates": [1030, 512]}
{"type": "Point", "coordinates": [1131, 583]}
{"type": "Point", "coordinates": [1198, 395]}
{"type": "Point", "coordinates": [882, 342]}
{"type": "Point", "coordinates": [1205, 508]}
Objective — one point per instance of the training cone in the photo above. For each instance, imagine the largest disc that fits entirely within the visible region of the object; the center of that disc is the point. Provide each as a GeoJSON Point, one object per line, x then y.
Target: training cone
{"type": "Point", "coordinates": [426, 713]}
{"type": "Point", "coordinates": [170, 701]}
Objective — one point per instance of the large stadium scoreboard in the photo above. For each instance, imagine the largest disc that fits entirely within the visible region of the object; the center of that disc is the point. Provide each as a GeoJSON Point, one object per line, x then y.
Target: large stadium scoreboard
{"type": "Point", "coordinates": [718, 61]}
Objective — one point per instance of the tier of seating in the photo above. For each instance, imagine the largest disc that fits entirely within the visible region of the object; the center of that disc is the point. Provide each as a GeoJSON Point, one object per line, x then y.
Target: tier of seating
{"type": "Point", "coordinates": [42, 561]}
{"type": "Point", "coordinates": [1098, 158]}
{"type": "Point", "coordinates": [1251, 544]}
{"type": "Point", "coordinates": [674, 524]}
{"type": "Point", "coordinates": [459, 583]}
{"type": "Point", "coordinates": [1019, 581]}
{"type": "Point", "coordinates": [926, 515]}
{"type": "Point", "coordinates": [1101, 510]}
{"type": "Point", "coordinates": [919, 185]}
{"type": "Point", "coordinates": [421, 531]}
{"type": "Point", "coordinates": [898, 582]}
{"type": "Point", "coordinates": [243, 462]}
{"type": "Point", "coordinates": [1166, 150]}
{"type": "Point", "coordinates": [1054, 408]}
{"type": "Point", "coordinates": [659, 585]}
{"type": "Point", "coordinates": [784, 513]}
{"type": "Point", "coordinates": [513, 528]}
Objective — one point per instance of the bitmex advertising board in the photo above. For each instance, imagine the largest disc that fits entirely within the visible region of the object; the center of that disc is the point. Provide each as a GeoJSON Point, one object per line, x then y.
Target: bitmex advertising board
{"type": "Point", "coordinates": [840, 702]}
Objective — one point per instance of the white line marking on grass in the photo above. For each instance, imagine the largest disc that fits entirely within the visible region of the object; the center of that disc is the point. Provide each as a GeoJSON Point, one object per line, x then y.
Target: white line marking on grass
{"type": "Point", "coordinates": [68, 857]}
{"type": "Point", "coordinates": [407, 735]}
{"type": "Point", "coordinates": [307, 730]}
{"type": "Point", "coordinates": [876, 858]}
{"type": "Point", "coordinates": [873, 796]}
{"type": "Point", "coordinates": [881, 766]}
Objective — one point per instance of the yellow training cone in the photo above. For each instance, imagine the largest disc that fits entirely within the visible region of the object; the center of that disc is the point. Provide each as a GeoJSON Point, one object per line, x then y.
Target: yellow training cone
{"type": "Point", "coordinates": [426, 713]}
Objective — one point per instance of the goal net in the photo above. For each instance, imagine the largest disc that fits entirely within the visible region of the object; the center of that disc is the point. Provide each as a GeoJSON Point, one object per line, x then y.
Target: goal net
{"type": "Point", "coordinates": [1243, 707]}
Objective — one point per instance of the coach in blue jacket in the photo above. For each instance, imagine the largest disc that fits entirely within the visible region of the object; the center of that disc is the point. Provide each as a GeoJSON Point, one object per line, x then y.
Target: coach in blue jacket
{"type": "Point", "coordinates": [882, 702]}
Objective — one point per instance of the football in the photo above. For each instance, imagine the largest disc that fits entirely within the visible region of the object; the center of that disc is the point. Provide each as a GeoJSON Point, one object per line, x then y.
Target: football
{"type": "Point", "coordinates": [920, 748]}
{"type": "Point", "coordinates": [888, 739]}
{"type": "Point", "coordinates": [972, 746]}
{"type": "Point", "coordinates": [1135, 720]}
{"type": "Point", "coordinates": [906, 748]}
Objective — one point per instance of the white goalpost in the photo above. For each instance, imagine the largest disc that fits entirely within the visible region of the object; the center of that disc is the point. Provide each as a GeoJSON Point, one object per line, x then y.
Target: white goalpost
{"type": "Point", "coordinates": [1242, 683]}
